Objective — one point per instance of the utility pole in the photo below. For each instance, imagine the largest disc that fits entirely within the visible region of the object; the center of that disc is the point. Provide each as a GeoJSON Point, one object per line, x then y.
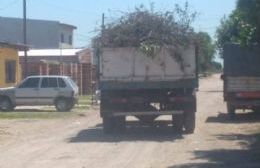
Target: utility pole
{"type": "Point", "coordinates": [25, 39]}
{"type": "Point", "coordinates": [102, 28]}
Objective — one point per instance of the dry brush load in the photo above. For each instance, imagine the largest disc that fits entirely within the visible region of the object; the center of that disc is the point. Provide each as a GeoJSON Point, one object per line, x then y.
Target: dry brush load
{"type": "Point", "coordinates": [149, 31]}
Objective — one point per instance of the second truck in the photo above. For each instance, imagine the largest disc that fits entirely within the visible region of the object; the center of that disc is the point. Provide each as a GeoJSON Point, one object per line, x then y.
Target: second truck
{"type": "Point", "coordinates": [241, 77]}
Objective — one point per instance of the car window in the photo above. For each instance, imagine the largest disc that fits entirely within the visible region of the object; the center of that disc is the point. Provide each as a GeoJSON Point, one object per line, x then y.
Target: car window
{"type": "Point", "coordinates": [49, 83]}
{"type": "Point", "coordinates": [30, 83]}
{"type": "Point", "coordinates": [61, 83]}
{"type": "Point", "coordinates": [53, 83]}
{"type": "Point", "coordinates": [45, 83]}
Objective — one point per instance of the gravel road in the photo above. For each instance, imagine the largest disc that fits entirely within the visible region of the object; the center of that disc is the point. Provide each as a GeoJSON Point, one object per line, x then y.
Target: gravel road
{"type": "Point", "coordinates": [78, 142]}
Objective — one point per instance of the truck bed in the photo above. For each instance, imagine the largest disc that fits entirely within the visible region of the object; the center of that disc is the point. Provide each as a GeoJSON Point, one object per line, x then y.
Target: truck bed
{"type": "Point", "coordinates": [126, 68]}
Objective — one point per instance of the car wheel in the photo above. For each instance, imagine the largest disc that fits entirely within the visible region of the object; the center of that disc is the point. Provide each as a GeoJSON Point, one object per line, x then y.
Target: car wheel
{"type": "Point", "coordinates": [6, 104]}
{"type": "Point", "coordinates": [62, 105]}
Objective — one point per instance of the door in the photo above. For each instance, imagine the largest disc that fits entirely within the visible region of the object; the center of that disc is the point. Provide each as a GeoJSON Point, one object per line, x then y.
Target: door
{"type": "Point", "coordinates": [49, 90]}
{"type": "Point", "coordinates": [27, 92]}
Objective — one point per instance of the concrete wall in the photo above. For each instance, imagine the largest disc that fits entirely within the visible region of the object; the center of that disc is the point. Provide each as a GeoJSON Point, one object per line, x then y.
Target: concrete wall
{"type": "Point", "coordinates": [8, 54]}
{"type": "Point", "coordinates": [40, 33]}
{"type": "Point", "coordinates": [67, 31]}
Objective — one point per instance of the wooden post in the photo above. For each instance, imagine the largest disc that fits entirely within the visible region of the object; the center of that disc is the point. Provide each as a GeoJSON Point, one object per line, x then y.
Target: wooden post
{"type": "Point", "coordinates": [81, 80]}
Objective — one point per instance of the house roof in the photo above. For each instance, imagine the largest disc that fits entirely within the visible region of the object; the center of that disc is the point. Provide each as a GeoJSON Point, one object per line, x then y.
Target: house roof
{"type": "Point", "coordinates": [12, 45]}
{"type": "Point", "coordinates": [51, 52]}
{"type": "Point", "coordinates": [68, 25]}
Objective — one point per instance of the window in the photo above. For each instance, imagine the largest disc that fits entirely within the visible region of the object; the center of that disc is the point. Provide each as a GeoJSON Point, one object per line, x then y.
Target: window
{"type": "Point", "coordinates": [61, 82]}
{"type": "Point", "coordinates": [49, 83]}
{"type": "Point", "coordinates": [53, 83]}
{"type": "Point", "coordinates": [10, 71]}
{"type": "Point", "coordinates": [72, 82]}
{"type": "Point", "coordinates": [45, 83]}
{"type": "Point", "coordinates": [70, 40]}
{"type": "Point", "coordinates": [30, 83]}
{"type": "Point", "coordinates": [62, 38]}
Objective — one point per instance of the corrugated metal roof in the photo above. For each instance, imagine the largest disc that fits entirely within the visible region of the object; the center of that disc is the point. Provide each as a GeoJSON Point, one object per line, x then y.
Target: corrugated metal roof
{"type": "Point", "coordinates": [12, 45]}
{"type": "Point", "coordinates": [51, 52]}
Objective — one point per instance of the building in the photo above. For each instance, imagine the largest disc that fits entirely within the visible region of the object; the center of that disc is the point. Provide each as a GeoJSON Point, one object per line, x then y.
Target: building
{"type": "Point", "coordinates": [9, 64]}
{"type": "Point", "coordinates": [41, 34]}
{"type": "Point", "coordinates": [75, 63]}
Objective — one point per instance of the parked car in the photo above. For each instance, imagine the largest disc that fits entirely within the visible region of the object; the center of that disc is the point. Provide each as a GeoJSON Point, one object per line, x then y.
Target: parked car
{"type": "Point", "coordinates": [60, 91]}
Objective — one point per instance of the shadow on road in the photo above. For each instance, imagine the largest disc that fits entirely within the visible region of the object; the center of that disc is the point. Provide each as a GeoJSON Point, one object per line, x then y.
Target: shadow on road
{"type": "Point", "coordinates": [134, 132]}
{"type": "Point", "coordinates": [247, 117]}
{"type": "Point", "coordinates": [225, 158]}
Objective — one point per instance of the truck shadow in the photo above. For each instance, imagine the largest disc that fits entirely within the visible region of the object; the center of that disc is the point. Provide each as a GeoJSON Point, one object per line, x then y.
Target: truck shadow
{"type": "Point", "coordinates": [245, 117]}
{"type": "Point", "coordinates": [133, 132]}
{"type": "Point", "coordinates": [249, 156]}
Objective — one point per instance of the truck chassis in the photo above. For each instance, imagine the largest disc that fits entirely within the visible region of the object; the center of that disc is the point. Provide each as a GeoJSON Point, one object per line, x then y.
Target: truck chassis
{"type": "Point", "coordinates": [147, 105]}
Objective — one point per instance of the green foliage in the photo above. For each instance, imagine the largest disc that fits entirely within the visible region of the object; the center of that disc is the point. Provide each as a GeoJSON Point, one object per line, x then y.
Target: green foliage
{"type": "Point", "coordinates": [206, 51]}
{"type": "Point", "coordinates": [242, 26]}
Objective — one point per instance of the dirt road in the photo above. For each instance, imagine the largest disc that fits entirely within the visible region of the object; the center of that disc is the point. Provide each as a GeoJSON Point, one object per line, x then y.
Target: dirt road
{"type": "Point", "coordinates": [78, 142]}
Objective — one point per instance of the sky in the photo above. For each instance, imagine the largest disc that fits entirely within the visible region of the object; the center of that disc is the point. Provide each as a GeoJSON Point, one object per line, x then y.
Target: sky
{"type": "Point", "coordinates": [86, 14]}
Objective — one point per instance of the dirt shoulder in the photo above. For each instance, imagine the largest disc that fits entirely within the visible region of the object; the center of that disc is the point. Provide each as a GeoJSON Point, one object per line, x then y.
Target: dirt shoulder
{"type": "Point", "coordinates": [78, 141]}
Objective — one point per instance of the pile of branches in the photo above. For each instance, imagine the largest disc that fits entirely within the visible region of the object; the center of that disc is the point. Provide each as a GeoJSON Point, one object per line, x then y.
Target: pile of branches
{"type": "Point", "coordinates": [149, 30]}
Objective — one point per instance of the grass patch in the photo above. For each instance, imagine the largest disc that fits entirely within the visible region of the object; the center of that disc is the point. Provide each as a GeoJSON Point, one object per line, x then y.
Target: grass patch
{"type": "Point", "coordinates": [33, 115]}
{"type": "Point", "coordinates": [48, 112]}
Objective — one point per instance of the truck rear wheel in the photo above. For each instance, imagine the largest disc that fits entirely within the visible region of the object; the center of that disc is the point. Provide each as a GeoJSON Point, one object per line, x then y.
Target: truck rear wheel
{"type": "Point", "coordinates": [120, 124]}
{"type": "Point", "coordinates": [178, 122]}
{"type": "Point", "coordinates": [108, 124]}
{"type": "Point", "coordinates": [231, 110]}
{"type": "Point", "coordinates": [189, 122]}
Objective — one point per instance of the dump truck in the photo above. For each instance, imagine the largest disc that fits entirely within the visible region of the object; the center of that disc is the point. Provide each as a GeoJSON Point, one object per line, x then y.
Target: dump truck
{"type": "Point", "coordinates": [241, 77]}
{"type": "Point", "coordinates": [132, 83]}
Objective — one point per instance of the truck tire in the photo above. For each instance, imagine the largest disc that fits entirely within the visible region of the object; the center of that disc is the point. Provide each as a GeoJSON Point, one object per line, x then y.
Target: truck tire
{"type": "Point", "coordinates": [178, 122]}
{"type": "Point", "coordinates": [108, 124]}
{"type": "Point", "coordinates": [231, 110]}
{"type": "Point", "coordinates": [120, 124]}
{"type": "Point", "coordinates": [189, 122]}
{"type": "Point", "coordinates": [6, 104]}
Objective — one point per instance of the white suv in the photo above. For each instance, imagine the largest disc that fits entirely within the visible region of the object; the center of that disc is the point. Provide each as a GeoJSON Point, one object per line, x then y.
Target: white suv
{"type": "Point", "coordinates": [60, 91]}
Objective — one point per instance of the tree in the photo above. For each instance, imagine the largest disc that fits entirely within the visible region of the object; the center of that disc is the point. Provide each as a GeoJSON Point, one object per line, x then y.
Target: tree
{"type": "Point", "coordinates": [242, 26]}
{"type": "Point", "coordinates": [206, 51]}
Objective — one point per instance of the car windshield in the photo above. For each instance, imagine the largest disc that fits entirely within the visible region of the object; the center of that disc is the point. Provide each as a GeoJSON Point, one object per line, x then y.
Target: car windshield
{"type": "Point", "coordinates": [72, 82]}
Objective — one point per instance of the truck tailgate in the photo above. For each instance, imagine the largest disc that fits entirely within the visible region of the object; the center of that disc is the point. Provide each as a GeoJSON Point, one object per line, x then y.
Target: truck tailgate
{"type": "Point", "coordinates": [243, 84]}
{"type": "Point", "coordinates": [130, 64]}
